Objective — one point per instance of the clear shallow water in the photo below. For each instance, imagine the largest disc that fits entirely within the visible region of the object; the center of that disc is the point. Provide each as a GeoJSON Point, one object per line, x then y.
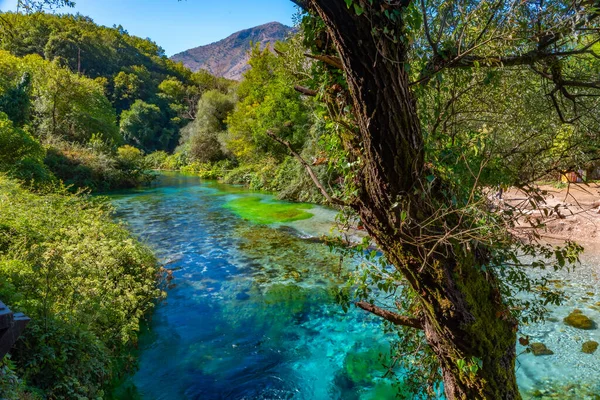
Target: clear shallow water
{"type": "Point", "coordinates": [568, 373]}
{"type": "Point", "coordinates": [252, 314]}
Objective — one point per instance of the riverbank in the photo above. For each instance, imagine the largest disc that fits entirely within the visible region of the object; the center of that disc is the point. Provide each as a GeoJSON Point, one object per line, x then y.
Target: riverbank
{"type": "Point", "coordinates": [575, 213]}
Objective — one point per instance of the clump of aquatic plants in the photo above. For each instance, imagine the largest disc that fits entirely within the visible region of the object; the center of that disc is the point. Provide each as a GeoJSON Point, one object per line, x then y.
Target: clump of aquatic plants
{"type": "Point", "coordinates": [289, 259]}
{"type": "Point", "coordinates": [85, 283]}
{"type": "Point", "coordinates": [259, 211]}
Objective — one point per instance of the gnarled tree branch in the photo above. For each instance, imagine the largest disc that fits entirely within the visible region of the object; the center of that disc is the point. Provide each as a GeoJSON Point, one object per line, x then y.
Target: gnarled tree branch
{"type": "Point", "coordinates": [394, 318]}
{"type": "Point", "coordinates": [305, 91]}
{"type": "Point", "coordinates": [329, 60]}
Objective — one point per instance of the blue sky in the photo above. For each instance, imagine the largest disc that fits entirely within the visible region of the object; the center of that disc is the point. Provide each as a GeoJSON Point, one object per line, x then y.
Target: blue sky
{"type": "Point", "coordinates": [180, 25]}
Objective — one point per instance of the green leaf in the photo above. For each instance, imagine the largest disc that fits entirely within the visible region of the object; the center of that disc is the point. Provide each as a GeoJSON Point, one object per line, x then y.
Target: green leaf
{"type": "Point", "coordinates": [358, 9]}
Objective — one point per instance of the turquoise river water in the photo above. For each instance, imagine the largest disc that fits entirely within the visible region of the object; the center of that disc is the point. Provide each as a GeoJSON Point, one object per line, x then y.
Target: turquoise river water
{"type": "Point", "coordinates": [251, 314]}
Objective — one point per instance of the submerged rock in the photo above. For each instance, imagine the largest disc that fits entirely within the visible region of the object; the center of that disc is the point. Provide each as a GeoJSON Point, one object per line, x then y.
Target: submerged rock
{"type": "Point", "coordinates": [589, 347]}
{"type": "Point", "coordinates": [540, 349]}
{"type": "Point", "coordinates": [577, 320]}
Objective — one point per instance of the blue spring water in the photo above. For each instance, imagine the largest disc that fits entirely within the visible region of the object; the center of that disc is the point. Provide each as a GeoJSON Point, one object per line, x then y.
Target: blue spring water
{"type": "Point", "coordinates": [252, 315]}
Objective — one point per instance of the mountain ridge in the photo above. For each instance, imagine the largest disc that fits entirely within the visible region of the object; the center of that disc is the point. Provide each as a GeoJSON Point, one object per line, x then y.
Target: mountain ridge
{"type": "Point", "coordinates": [228, 57]}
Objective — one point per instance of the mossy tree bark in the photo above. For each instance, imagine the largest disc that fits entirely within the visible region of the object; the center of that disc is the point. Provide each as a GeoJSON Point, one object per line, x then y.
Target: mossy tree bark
{"type": "Point", "coordinates": [462, 313]}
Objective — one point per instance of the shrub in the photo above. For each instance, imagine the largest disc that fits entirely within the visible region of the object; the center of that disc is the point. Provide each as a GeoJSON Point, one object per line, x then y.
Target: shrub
{"type": "Point", "coordinates": [130, 156]}
{"type": "Point", "coordinates": [175, 161]}
{"type": "Point", "coordinates": [156, 160]}
{"type": "Point", "coordinates": [209, 170]}
{"type": "Point", "coordinates": [81, 167]}
{"type": "Point", "coordinates": [83, 280]}
{"type": "Point", "coordinates": [21, 156]}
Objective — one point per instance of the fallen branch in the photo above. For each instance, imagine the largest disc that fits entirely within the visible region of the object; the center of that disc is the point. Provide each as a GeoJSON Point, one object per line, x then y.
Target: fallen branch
{"type": "Point", "coordinates": [394, 318]}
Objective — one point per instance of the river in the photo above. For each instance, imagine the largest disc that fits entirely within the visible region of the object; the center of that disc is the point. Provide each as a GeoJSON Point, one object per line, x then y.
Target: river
{"type": "Point", "coordinates": [251, 314]}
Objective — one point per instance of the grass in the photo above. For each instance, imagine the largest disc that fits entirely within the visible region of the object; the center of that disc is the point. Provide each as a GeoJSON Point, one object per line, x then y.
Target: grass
{"type": "Point", "coordinates": [259, 211]}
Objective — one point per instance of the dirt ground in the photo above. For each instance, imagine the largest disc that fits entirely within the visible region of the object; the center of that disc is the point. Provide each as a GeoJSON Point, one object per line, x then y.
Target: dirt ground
{"type": "Point", "coordinates": [578, 216]}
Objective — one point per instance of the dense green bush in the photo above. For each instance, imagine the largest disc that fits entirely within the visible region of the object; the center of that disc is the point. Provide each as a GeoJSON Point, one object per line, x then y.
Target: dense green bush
{"type": "Point", "coordinates": [98, 170]}
{"type": "Point", "coordinates": [11, 386]}
{"type": "Point", "coordinates": [209, 170]}
{"type": "Point", "coordinates": [83, 280]}
{"type": "Point", "coordinates": [157, 159]}
{"type": "Point", "coordinates": [21, 156]}
{"type": "Point", "coordinates": [161, 160]}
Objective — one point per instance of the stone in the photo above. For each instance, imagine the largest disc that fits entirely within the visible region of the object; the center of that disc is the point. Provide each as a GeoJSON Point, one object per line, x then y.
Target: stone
{"type": "Point", "coordinates": [589, 347]}
{"type": "Point", "coordinates": [577, 320]}
{"type": "Point", "coordinates": [540, 349]}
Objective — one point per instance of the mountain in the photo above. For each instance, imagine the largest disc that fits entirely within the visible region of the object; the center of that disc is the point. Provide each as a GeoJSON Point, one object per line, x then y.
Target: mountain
{"type": "Point", "coordinates": [229, 57]}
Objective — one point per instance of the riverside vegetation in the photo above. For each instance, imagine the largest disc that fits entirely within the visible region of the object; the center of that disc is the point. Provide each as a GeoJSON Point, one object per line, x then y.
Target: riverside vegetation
{"type": "Point", "coordinates": [409, 146]}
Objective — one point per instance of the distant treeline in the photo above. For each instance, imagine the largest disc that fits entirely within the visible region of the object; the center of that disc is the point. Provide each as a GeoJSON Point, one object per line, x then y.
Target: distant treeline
{"type": "Point", "coordinates": [84, 90]}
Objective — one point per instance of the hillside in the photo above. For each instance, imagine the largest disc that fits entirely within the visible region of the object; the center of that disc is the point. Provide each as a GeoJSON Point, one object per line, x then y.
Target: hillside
{"type": "Point", "coordinates": [229, 57]}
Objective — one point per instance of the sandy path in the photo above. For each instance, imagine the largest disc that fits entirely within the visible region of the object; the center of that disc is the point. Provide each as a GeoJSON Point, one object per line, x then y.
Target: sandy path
{"type": "Point", "coordinates": [579, 214]}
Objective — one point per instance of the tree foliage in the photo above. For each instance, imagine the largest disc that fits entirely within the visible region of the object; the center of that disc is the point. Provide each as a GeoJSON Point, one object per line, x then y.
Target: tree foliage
{"type": "Point", "coordinates": [63, 105]}
{"type": "Point", "coordinates": [267, 101]}
{"type": "Point", "coordinates": [434, 104]}
{"type": "Point", "coordinates": [21, 156]}
{"type": "Point", "coordinates": [201, 139]}
{"type": "Point", "coordinates": [142, 126]}
{"type": "Point", "coordinates": [124, 69]}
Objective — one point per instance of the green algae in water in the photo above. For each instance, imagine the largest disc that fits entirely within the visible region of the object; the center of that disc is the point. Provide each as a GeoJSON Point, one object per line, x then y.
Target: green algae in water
{"type": "Point", "coordinates": [361, 366]}
{"type": "Point", "coordinates": [257, 210]}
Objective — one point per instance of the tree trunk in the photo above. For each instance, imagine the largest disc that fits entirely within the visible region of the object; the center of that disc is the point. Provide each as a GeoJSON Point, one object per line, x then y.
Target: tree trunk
{"type": "Point", "coordinates": [463, 316]}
